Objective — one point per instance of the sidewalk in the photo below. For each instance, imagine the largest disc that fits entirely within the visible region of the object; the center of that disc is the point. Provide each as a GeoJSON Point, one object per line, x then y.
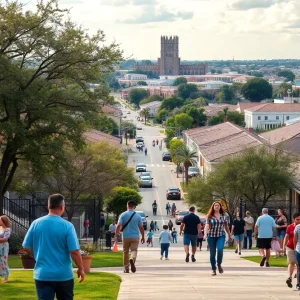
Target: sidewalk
{"type": "Point", "coordinates": [176, 279]}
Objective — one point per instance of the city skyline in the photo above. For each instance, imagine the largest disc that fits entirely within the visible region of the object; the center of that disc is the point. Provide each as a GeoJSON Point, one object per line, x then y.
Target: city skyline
{"type": "Point", "coordinates": [208, 29]}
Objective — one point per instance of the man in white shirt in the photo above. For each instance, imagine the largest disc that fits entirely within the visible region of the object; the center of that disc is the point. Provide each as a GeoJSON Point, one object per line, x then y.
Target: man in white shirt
{"type": "Point", "coordinates": [112, 229]}
{"type": "Point", "coordinates": [249, 230]}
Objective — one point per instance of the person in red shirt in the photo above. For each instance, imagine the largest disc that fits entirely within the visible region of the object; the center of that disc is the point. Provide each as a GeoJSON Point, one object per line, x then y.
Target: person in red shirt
{"type": "Point", "coordinates": [288, 246]}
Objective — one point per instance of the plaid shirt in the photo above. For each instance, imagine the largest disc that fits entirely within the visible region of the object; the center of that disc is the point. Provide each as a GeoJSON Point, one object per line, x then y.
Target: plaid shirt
{"type": "Point", "coordinates": [216, 227]}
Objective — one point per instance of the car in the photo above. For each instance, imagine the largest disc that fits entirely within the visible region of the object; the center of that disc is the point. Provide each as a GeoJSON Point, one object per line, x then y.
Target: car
{"type": "Point", "coordinates": [145, 174]}
{"type": "Point", "coordinates": [141, 167]}
{"type": "Point", "coordinates": [166, 156]}
{"type": "Point", "coordinates": [139, 127]}
{"type": "Point", "coordinates": [139, 138]}
{"type": "Point", "coordinates": [128, 113]}
{"type": "Point", "coordinates": [145, 181]}
{"type": "Point", "coordinates": [140, 144]}
{"type": "Point", "coordinates": [144, 218]}
{"type": "Point", "coordinates": [180, 215]}
{"type": "Point", "coordinates": [193, 172]}
{"type": "Point", "coordinates": [173, 194]}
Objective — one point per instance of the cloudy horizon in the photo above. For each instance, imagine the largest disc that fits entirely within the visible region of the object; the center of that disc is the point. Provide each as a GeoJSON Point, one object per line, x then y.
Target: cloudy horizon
{"type": "Point", "coordinates": [207, 29]}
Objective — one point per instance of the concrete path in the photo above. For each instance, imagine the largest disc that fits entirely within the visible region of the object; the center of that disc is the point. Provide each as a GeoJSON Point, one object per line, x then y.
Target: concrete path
{"type": "Point", "coordinates": [176, 279]}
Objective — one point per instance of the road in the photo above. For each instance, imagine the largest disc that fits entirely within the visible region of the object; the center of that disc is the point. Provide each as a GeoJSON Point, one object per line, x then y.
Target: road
{"type": "Point", "coordinates": [162, 174]}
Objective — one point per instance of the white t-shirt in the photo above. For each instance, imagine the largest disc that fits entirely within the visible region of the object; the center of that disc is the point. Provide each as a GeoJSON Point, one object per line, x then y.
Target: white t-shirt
{"type": "Point", "coordinates": [250, 220]}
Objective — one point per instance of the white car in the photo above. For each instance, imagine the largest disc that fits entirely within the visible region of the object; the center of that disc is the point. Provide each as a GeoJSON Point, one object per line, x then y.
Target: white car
{"type": "Point", "coordinates": [139, 127]}
{"type": "Point", "coordinates": [140, 144]}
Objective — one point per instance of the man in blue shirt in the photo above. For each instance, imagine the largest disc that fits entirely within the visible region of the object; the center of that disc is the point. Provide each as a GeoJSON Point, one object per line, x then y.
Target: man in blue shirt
{"type": "Point", "coordinates": [131, 225]}
{"type": "Point", "coordinates": [266, 228]}
{"type": "Point", "coordinates": [54, 244]}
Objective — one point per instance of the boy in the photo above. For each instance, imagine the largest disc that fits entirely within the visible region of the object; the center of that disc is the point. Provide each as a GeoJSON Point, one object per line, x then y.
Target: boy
{"type": "Point", "coordinates": [174, 235]}
{"type": "Point", "coordinates": [150, 238]}
{"type": "Point", "coordinates": [164, 239]}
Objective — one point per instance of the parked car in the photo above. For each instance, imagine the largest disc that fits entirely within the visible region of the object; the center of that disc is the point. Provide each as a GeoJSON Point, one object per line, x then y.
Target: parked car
{"type": "Point", "coordinates": [145, 174]}
{"type": "Point", "coordinates": [166, 156]}
{"type": "Point", "coordinates": [139, 138]}
{"type": "Point", "coordinates": [145, 181]}
{"type": "Point", "coordinates": [140, 144]}
{"type": "Point", "coordinates": [193, 172]}
{"type": "Point", "coordinates": [173, 194]}
{"type": "Point", "coordinates": [139, 127]}
{"type": "Point", "coordinates": [180, 215]}
{"type": "Point", "coordinates": [128, 113]}
{"type": "Point", "coordinates": [144, 218]}
{"type": "Point", "coordinates": [140, 167]}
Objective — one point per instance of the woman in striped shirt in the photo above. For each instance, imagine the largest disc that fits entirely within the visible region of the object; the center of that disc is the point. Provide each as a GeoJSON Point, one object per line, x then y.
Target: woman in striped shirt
{"type": "Point", "coordinates": [214, 232]}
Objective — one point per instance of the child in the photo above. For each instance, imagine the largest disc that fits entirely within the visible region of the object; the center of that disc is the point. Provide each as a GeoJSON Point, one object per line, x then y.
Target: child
{"type": "Point", "coordinates": [164, 239]}
{"type": "Point", "coordinates": [150, 237]}
{"type": "Point", "coordinates": [200, 238]}
{"type": "Point", "coordinates": [155, 226]}
{"type": "Point", "coordinates": [174, 235]}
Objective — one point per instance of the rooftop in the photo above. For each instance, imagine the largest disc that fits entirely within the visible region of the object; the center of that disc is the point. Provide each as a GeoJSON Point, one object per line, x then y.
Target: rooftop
{"type": "Point", "coordinates": [95, 136]}
{"type": "Point", "coordinates": [275, 107]}
{"type": "Point", "coordinates": [241, 106]}
{"type": "Point", "coordinates": [214, 109]}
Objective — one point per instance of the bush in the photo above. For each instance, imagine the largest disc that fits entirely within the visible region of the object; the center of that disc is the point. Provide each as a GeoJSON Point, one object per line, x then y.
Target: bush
{"type": "Point", "coordinates": [15, 243]}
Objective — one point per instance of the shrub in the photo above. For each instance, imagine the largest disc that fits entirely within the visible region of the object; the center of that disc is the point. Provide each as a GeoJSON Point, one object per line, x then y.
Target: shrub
{"type": "Point", "coordinates": [15, 243]}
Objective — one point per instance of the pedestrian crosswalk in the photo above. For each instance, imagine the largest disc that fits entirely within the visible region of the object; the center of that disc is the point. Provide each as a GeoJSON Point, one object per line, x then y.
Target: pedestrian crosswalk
{"type": "Point", "coordinates": [159, 165]}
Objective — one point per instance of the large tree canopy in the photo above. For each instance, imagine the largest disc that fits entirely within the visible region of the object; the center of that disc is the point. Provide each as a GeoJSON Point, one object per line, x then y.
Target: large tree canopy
{"type": "Point", "coordinates": [257, 89]}
{"type": "Point", "coordinates": [46, 61]}
{"type": "Point", "coordinates": [186, 90]}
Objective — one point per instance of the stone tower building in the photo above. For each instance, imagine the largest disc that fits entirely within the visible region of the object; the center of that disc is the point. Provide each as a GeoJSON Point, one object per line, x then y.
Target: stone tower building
{"type": "Point", "coordinates": [169, 62]}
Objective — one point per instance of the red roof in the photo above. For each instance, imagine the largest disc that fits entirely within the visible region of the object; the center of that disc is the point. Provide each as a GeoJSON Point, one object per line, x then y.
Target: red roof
{"type": "Point", "coordinates": [276, 107]}
{"type": "Point", "coordinates": [95, 136]}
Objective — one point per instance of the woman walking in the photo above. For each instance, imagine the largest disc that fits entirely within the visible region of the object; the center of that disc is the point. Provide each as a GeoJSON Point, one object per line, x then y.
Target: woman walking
{"type": "Point", "coordinates": [214, 231]}
{"type": "Point", "coordinates": [156, 226]}
{"type": "Point", "coordinates": [170, 225]}
{"type": "Point", "coordinates": [5, 232]}
{"type": "Point", "coordinates": [281, 225]}
{"type": "Point", "coordinates": [152, 226]}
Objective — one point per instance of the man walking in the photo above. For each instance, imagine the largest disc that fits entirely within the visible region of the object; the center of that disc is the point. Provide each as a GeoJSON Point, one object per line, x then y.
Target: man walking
{"type": "Point", "coordinates": [54, 244]}
{"type": "Point", "coordinates": [265, 231]}
{"type": "Point", "coordinates": [130, 223]}
{"type": "Point", "coordinates": [112, 228]}
{"type": "Point", "coordinates": [154, 208]}
{"type": "Point", "coordinates": [249, 230]}
{"type": "Point", "coordinates": [192, 227]}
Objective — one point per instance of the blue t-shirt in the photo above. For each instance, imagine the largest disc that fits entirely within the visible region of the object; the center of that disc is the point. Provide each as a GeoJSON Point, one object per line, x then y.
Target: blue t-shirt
{"type": "Point", "coordinates": [52, 238]}
{"type": "Point", "coordinates": [150, 235]}
{"type": "Point", "coordinates": [132, 229]}
{"type": "Point", "coordinates": [265, 225]}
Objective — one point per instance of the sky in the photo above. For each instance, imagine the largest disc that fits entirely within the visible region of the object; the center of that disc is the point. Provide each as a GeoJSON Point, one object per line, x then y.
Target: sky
{"type": "Point", "coordinates": [207, 29]}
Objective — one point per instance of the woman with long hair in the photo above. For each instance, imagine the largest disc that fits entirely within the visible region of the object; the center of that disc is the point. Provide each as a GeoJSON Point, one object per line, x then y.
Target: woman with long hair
{"type": "Point", "coordinates": [5, 232]}
{"type": "Point", "coordinates": [281, 225]}
{"type": "Point", "coordinates": [214, 232]}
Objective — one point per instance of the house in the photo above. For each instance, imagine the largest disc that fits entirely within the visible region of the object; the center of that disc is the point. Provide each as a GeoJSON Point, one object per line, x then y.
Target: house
{"type": "Point", "coordinates": [214, 143]}
{"type": "Point", "coordinates": [242, 79]}
{"type": "Point", "coordinates": [95, 136]}
{"type": "Point", "coordinates": [163, 91]}
{"type": "Point", "coordinates": [111, 112]}
{"type": "Point", "coordinates": [213, 109]}
{"type": "Point", "coordinates": [271, 115]}
{"type": "Point", "coordinates": [153, 108]}
{"type": "Point", "coordinates": [241, 106]}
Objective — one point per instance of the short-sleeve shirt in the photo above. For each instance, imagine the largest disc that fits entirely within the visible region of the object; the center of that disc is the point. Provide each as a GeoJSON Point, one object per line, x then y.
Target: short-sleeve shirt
{"type": "Point", "coordinates": [249, 220]}
{"type": "Point", "coordinates": [191, 222]}
{"type": "Point", "coordinates": [216, 227]}
{"type": "Point", "coordinates": [150, 235]}
{"type": "Point", "coordinates": [297, 233]}
{"type": "Point", "coordinates": [290, 231]}
{"type": "Point", "coordinates": [265, 225]}
{"type": "Point", "coordinates": [52, 238]}
{"type": "Point", "coordinates": [132, 229]}
{"type": "Point", "coordinates": [238, 226]}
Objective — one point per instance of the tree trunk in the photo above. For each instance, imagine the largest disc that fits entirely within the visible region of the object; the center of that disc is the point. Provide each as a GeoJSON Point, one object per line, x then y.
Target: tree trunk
{"type": "Point", "coordinates": [177, 170]}
{"type": "Point", "coordinates": [186, 169]}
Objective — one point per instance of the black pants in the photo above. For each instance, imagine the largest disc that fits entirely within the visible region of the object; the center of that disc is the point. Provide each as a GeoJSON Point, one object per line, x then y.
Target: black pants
{"type": "Point", "coordinates": [46, 290]}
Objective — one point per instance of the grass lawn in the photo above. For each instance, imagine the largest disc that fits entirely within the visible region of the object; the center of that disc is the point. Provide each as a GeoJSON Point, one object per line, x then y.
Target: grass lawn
{"type": "Point", "coordinates": [274, 262]}
{"type": "Point", "coordinates": [162, 131]}
{"type": "Point", "coordinates": [100, 260]}
{"type": "Point", "coordinates": [95, 286]}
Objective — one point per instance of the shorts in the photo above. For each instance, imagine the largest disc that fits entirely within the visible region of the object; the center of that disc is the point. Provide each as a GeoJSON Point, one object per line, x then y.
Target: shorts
{"type": "Point", "coordinates": [264, 243]}
{"type": "Point", "coordinates": [281, 235]}
{"type": "Point", "coordinates": [239, 237]}
{"type": "Point", "coordinates": [291, 256]}
{"type": "Point", "coordinates": [190, 239]}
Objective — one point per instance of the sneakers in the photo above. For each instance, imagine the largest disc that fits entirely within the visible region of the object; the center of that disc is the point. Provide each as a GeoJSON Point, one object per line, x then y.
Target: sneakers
{"type": "Point", "coordinates": [267, 264]}
{"type": "Point", "coordinates": [262, 262]}
{"type": "Point", "coordinates": [240, 253]}
{"type": "Point", "coordinates": [193, 258]}
{"type": "Point", "coordinates": [126, 270]}
{"type": "Point", "coordinates": [187, 258]}
{"type": "Point", "coordinates": [132, 265]}
{"type": "Point", "coordinates": [236, 251]}
{"type": "Point", "coordinates": [220, 269]}
{"type": "Point", "coordinates": [298, 287]}
{"type": "Point", "coordinates": [289, 282]}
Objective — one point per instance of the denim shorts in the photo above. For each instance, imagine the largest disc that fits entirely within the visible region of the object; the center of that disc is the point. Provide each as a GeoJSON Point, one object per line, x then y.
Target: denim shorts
{"type": "Point", "coordinates": [281, 235]}
{"type": "Point", "coordinates": [239, 237]}
{"type": "Point", "coordinates": [190, 239]}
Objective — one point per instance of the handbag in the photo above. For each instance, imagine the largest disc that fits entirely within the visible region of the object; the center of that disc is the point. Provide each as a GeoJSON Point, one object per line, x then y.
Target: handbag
{"type": "Point", "coordinates": [125, 225]}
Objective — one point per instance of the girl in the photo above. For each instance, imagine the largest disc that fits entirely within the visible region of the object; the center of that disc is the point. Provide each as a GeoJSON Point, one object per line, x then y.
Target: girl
{"type": "Point", "coordinates": [150, 238]}
{"type": "Point", "coordinates": [281, 225]}
{"type": "Point", "coordinates": [214, 231]}
{"type": "Point", "coordinates": [5, 232]}
{"type": "Point", "coordinates": [164, 239]}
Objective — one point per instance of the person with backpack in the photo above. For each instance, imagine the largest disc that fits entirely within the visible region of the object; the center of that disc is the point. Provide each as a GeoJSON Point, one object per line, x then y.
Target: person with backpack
{"type": "Point", "coordinates": [131, 225]}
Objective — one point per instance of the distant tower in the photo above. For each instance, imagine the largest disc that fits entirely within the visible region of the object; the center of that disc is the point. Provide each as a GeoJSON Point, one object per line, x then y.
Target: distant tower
{"type": "Point", "coordinates": [169, 61]}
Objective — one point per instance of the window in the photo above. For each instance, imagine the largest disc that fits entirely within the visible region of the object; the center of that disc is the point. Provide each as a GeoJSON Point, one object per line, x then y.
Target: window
{"type": "Point", "coordinates": [258, 118]}
{"type": "Point", "coordinates": [277, 117]}
{"type": "Point", "coordinates": [287, 117]}
{"type": "Point", "coordinates": [266, 118]}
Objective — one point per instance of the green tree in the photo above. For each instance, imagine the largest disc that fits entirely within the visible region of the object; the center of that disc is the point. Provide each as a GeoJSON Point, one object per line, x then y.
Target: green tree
{"type": "Point", "coordinates": [198, 114]}
{"type": "Point", "coordinates": [257, 89]}
{"type": "Point", "coordinates": [231, 116]}
{"type": "Point", "coordinates": [116, 203]}
{"type": "Point", "coordinates": [171, 102]}
{"type": "Point", "coordinates": [145, 113]}
{"type": "Point", "coordinates": [174, 147]}
{"type": "Point", "coordinates": [183, 121]}
{"type": "Point", "coordinates": [142, 82]}
{"type": "Point", "coordinates": [45, 62]}
{"type": "Point", "coordinates": [288, 74]}
{"type": "Point", "coordinates": [225, 94]}
{"type": "Point", "coordinates": [186, 89]}
{"type": "Point", "coordinates": [161, 115]}
{"type": "Point", "coordinates": [256, 73]}
{"type": "Point", "coordinates": [213, 71]}
{"type": "Point", "coordinates": [113, 82]}
{"type": "Point", "coordinates": [105, 124]}
{"type": "Point", "coordinates": [200, 102]}
{"type": "Point", "coordinates": [136, 95]}
{"type": "Point", "coordinates": [282, 90]}
{"type": "Point", "coordinates": [128, 129]}
{"type": "Point", "coordinates": [179, 80]}
{"type": "Point", "coordinates": [188, 158]}
{"type": "Point", "coordinates": [151, 99]}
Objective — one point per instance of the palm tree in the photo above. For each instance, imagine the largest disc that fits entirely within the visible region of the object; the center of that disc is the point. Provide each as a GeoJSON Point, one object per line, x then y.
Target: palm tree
{"type": "Point", "coordinates": [188, 158]}
{"type": "Point", "coordinates": [225, 111]}
{"type": "Point", "coordinates": [145, 112]}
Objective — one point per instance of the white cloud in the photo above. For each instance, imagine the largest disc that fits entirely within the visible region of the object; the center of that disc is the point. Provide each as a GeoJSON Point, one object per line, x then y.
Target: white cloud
{"type": "Point", "coordinates": [250, 4]}
{"type": "Point", "coordinates": [127, 2]}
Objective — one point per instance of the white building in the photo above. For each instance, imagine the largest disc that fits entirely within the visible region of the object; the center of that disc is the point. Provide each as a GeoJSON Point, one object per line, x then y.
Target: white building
{"type": "Point", "coordinates": [135, 77]}
{"type": "Point", "coordinates": [153, 108]}
{"type": "Point", "coordinates": [271, 115]}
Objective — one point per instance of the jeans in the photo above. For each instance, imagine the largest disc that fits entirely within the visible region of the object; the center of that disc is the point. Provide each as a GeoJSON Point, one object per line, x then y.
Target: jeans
{"type": "Point", "coordinates": [46, 290]}
{"type": "Point", "coordinates": [248, 237]}
{"type": "Point", "coordinates": [216, 243]}
{"type": "Point", "coordinates": [298, 262]}
{"type": "Point", "coordinates": [164, 248]}
{"type": "Point", "coordinates": [174, 239]}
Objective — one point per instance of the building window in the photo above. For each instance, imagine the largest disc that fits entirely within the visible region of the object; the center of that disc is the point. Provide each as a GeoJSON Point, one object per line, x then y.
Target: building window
{"type": "Point", "coordinates": [258, 118]}
{"type": "Point", "coordinates": [266, 118]}
{"type": "Point", "coordinates": [277, 117]}
{"type": "Point", "coordinates": [287, 117]}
